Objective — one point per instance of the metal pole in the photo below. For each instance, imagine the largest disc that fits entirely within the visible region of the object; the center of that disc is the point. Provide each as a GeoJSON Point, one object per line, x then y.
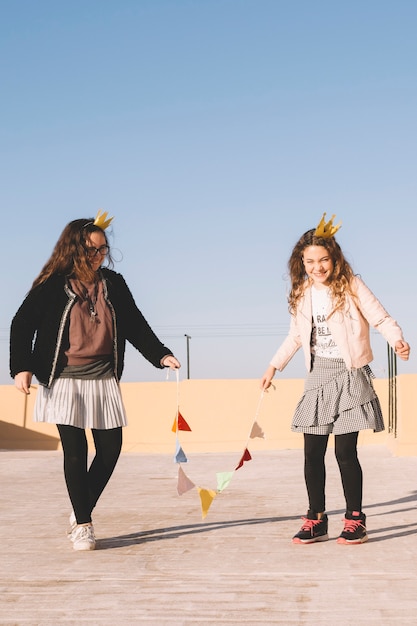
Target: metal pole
{"type": "Point", "coordinates": [392, 391]}
{"type": "Point", "coordinates": [188, 354]}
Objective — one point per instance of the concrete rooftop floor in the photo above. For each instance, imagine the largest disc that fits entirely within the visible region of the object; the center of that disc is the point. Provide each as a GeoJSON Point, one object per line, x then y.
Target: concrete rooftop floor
{"type": "Point", "coordinates": [158, 563]}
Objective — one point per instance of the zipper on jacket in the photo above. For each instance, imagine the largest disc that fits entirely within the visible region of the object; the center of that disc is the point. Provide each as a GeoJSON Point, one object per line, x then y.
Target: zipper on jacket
{"type": "Point", "coordinates": [113, 314]}
{"type": "Point", "coordinates": [72, 297]}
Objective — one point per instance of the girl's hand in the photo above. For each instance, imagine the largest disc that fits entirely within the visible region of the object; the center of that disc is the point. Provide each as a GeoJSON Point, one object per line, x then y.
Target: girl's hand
{"type": "Point", "coordinates": [267, 377]}
{"type": "Point", "coordinates": [171, 361]}
{"type": "Point", "coordinates": [403, 350]}
{"type": "Point", "coordinates": [22, 381]}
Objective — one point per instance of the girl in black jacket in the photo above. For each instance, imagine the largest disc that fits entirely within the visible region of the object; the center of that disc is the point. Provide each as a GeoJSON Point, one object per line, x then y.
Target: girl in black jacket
{"type": "Point", "coordinates": [70, 332]}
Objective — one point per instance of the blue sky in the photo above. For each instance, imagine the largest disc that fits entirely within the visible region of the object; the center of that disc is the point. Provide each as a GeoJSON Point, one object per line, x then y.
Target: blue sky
{"type": "Point", "coordinates": [216, 132]}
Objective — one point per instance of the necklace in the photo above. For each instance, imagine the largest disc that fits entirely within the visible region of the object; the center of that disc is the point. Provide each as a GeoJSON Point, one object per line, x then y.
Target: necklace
{"type": "Point", "coordinates": [91, 299]}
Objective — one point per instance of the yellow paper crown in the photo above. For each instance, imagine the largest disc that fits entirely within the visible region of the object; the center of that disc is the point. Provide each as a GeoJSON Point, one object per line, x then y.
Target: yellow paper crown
{"type": "Point", "coordinates": [101, 220]}
{"type": "Point", "coordinates": [326, 229]}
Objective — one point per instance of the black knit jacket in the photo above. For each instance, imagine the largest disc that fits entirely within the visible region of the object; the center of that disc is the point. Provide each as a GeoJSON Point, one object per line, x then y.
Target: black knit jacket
{"type": "Point", "coordinates": [40, 328]}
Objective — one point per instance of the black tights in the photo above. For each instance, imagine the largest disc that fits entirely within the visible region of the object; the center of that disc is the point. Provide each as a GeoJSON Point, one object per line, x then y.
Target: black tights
{"type": "Point", "coordinates": [315, 447]}
{"type": "Point", "coordinates": [85, 485]}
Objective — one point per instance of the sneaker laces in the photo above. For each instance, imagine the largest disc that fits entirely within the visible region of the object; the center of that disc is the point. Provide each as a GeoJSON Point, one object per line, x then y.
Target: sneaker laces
{"type": "Point", "coordinates": [310, 523]}
{"type": "Point", "coordinates": [351, 525]}
{"type": "Point", "coordinates": [82, 533]}
{"type": "Point", "coordinates": [85, 531]}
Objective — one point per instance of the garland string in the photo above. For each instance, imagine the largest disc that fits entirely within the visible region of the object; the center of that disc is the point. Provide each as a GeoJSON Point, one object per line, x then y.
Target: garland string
{"type": "Point", "coordinates": [223, 478]}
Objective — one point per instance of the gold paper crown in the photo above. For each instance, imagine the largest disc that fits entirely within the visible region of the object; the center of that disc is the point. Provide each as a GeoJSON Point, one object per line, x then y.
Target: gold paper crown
{"type": "Point", "coordinates": [326, 229]}
{"type": "Point", "coordinates": [101, 220]}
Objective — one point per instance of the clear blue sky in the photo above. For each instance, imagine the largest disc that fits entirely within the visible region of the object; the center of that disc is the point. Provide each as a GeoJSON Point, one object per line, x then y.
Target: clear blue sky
{"type": "Point", "coordinates": [216, 132]}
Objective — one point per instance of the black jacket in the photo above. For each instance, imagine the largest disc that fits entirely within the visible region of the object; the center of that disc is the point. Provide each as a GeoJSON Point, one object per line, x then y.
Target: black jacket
{"type": "Point", "coordinates": [39, 330]}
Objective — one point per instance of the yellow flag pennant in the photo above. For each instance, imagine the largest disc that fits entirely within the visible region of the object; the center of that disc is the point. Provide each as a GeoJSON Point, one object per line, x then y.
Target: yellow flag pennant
{"type": "Point", "coordinates": [206, 496]}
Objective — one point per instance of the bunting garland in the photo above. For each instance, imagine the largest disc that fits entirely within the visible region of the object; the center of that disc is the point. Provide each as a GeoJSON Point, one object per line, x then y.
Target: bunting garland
{"type": "Point", "coordinates": [184, 484]}
{"type": "Point", "coordinates": [179, 423]}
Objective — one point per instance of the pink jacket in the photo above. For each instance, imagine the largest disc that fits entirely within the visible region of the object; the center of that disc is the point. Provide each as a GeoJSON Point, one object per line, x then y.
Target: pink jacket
{"type": "Point", "coordinates": [350, 329]}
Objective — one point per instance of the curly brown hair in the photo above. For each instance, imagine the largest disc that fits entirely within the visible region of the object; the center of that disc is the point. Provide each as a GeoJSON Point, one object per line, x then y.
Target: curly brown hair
{"type": "Point", "coordinates": [340, 280]}
{"type": "Point", "coordinates": [69, 256]}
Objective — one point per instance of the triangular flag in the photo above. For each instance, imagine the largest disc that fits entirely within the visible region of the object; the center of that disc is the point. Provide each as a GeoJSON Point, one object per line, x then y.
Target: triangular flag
{"type": "Point", "coordinates": [223, 480]}
{"type": "Point", "coordinates": [179, 424]}
{"type": "Point", "coordinates": [179, 454]}
{"type": "Point", "coordinates": [184, 483]}
{"type": "Point", "coordinates": [206, 496]}
{"type": "Point", "coordinates": [257, 431]}
{"type": "Point", "coordinates": [245, 457]}
{"type": "Point", "coordinates": [182, 424]}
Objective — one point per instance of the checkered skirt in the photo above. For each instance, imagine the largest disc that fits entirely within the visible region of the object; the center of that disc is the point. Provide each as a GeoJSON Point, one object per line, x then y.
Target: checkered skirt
{"type": "Point", "coordinates": [337, 400]}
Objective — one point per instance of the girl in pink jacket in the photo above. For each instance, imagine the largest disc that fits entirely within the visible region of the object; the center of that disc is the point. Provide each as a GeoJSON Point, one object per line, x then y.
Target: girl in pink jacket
{"type": "Point", "coordinates": [331, 313]}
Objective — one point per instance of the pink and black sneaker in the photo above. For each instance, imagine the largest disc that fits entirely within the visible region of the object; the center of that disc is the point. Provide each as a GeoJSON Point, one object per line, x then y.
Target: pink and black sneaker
{"type": "Point", "coordinates": [354, 531]}
{"type": "Point", "coordinates": [312, 530]}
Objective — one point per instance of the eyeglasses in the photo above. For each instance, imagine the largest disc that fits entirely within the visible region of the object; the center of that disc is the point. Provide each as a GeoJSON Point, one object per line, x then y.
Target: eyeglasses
{"type": "Point", "coordinates": [92, 252]}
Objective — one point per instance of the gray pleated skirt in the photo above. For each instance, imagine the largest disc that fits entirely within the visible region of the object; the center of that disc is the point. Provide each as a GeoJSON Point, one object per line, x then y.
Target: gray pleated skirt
{"type": "Point", "coordinates": [82, 403]}
{"type": "Point", "coordinates": [337, 400]}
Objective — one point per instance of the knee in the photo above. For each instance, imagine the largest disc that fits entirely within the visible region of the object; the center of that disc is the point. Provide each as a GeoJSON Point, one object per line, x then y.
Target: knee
{"type": "Point", "coordinates": [313, 457]}
{"type": "Point", "coordinates": [73, 459]}
{"type": "Point", "coordinates": [346, 457]}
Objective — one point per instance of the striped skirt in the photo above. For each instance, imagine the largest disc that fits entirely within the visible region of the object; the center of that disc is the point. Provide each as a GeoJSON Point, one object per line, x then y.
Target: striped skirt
{"type": "Point", "coordinates": [82, 403]}
{"type": "Point", "coordinates": [337, 400]}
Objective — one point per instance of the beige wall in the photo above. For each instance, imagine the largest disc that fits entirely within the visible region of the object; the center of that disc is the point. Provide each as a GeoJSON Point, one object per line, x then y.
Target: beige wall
{"type": "Point", "coordinates": [219, 412]}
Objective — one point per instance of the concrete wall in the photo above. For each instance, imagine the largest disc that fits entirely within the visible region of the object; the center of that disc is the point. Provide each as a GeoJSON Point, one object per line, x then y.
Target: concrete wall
{"type": "Point", "coordinates": [220, 414]}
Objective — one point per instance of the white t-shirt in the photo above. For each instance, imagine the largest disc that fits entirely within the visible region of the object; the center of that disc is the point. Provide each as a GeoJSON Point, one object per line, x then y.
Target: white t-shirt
{"type": "Point", "coordinates": [322, 343]}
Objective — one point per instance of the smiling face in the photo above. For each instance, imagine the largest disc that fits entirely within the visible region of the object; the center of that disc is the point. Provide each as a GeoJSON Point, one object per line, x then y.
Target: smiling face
{"type": "Point", "coordinates": [318, 265]}
{"type": "Point", "coordinates": [97, 249]}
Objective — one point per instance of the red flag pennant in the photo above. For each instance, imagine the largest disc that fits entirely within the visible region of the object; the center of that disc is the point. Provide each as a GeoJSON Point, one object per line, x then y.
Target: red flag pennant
{"type": "Point", "coordinates": [179, 424]}
{"type": "Point", "coordinates": [182, 424]}
{"type": "Point", "coordinates": [245, 457]}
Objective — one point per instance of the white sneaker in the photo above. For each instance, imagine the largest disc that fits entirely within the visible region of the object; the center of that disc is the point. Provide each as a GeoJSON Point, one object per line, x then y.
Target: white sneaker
{"type": "Point", "coordinates": [83, 538]}
{"type": "Point", "coordinates": [73, 524]}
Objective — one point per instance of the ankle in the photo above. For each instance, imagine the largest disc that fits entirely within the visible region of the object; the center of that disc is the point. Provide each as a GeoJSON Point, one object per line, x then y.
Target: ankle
{"type": "Point", "coordinates": [355, 515]}
{"type": "Point", "coordinates": [312, 514]}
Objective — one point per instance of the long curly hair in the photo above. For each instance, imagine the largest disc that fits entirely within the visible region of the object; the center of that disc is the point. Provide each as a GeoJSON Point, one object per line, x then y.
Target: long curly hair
{"type": "Point", "coordinates": [340, 280]}
{"type": "Point", "coordinates": [69, 256]}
